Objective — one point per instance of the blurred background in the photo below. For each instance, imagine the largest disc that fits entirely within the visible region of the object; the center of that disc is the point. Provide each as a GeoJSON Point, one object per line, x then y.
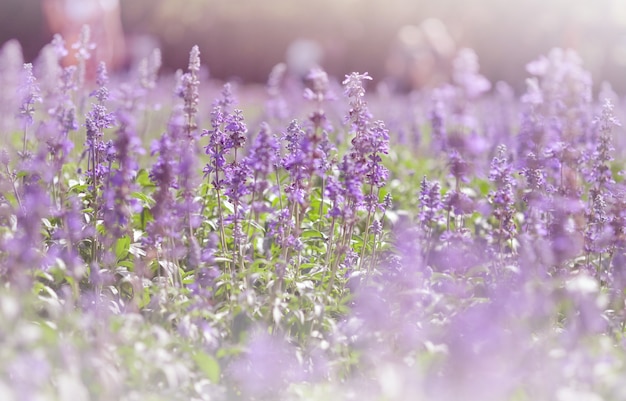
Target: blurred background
{"type": "Point", "coordinates": [409, 41]}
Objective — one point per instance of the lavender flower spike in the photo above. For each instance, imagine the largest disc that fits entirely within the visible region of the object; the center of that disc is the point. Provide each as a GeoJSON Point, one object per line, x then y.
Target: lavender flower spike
{"type": "Point", "coordinates": [31, 95]}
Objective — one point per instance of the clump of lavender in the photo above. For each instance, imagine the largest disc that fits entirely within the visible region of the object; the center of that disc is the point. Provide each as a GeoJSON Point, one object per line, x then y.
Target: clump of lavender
{"type": "Point", "coordinates": [217, 150]}
{"type": "Point", "coordinates": [565, 90]}
{"type": "Point", "coordinates": [598, 226]}
{"type": "Point", "coordinates": [503, 198]}
{"type": "Point", "coordinates": [301, 164]}
{"type": "Point", "coordinates": [188, 90]}
{"type": "Point", "coordinates": [360, 166]}
{"type": "Point", "coordinates": [261, 160]}
{"type": "Point", "coordinates": [119, 204]}
{"type": "Point", "coordinates": [176, 211]}
{"type": "Point", "coordinates": [601, 172]}
{"type": "Point", "coordinates": [226, 137]}
{"type": "Point", "coordinates": [67, 241]}
{"type": "Point", "coordinates": [557, 121]}
{"type": "Point", "coordinates": [98, 119]}
{"type": "Point", "coordinates": [53, 135]}
{"type": "Point", "coordinates": [537, 191]}
{"type": "Point", "coordinates": [23, 251]}
{"type": "Point", "coordinates": [99, 153]}
{"type": "Point", "coordinates": [236, 183]}
{"type": "Point", "coordinates": [318, 91]}
{"type": "Point", "coordinates": [430, 213]}
{"type": "Point", "coordinates": [456, 200]}
{"type": "Point", "coordinates": [447, 112]}
{"type": "Point", "coordinates": [163, 240]}
{"type": "Point", "coordinates": [30, 94]}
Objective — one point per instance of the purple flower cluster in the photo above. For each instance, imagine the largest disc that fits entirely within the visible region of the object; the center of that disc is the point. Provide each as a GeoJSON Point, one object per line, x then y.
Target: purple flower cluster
{"type": "Point", "coordinates": [499, 264]}
{"type": "Point", "coordinates": [503, 198]}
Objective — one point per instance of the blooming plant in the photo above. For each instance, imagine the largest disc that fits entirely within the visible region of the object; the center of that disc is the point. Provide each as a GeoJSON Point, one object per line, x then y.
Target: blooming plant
{"type": "Point", "coordinates": [470, 247]}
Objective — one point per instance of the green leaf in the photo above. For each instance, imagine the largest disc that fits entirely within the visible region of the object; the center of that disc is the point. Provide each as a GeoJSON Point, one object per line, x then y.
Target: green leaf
{"type": "Point", "coordinates": [121, 247]}
{"type": "Point", "coordinates": [146, 200]}
{"type": "Point", "coordinates": [143, 179]}
{"type": "Point", "coordinates": [208, 365]}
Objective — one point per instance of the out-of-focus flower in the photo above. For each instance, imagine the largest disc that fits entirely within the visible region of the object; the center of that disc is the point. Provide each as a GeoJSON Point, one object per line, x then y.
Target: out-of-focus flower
{"type": "Point", "coordinates": [30, 95]}
{"type": "Point", "coordinates": [465, 74]}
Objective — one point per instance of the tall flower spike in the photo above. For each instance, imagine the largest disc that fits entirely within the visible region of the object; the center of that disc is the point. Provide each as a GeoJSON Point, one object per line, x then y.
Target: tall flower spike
{"type": "Point", "coordinates": [601, 172]}
{"type": "Point", "coordinates": [431, 204]}
{"type": "Point", "coordinates": [117, 196]}
{"type": "Point", "coordinates": [149, 70]}
{"type": "Point", "coordinates": [607, 120]}
{"type": "Point", "coordinates": [30, 95]}
{"type": "Point", "coordinates": [261, 160]}
{"type": "Point", "coordinates": [354, 88]}
{"type": "Point", "coordinates": [276, 106]}
{"type": "Point", "coordinates": [102, 80]}
{"type": "Point", "coordinates": [502, 198]}
{"type": "Point", "coordinates": [59, 46]}
{"type": "Point", "coordinates": [189, 91]}
{"type": "Point", "coordinates": [83, 49]}
{"type": "Point", "coordinates": [194, 60]}
{"type": "Point", "coordinates": [98, 119]}
{"type": "Point", "coordinates": [318, 89]}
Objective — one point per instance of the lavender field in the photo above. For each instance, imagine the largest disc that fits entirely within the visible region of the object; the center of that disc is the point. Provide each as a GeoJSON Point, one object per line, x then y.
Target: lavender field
{"type": "Point", "coordinates": [172, 237]}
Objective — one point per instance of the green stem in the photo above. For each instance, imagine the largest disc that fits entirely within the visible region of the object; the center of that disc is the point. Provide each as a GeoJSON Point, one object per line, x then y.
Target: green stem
{"type": "Point", "coordinates": [366, 234]}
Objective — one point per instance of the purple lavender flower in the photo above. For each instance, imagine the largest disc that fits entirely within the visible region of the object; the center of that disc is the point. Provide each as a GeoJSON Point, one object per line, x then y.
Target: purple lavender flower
{"type": "Point", "coordinates": [188, 90]}
{"type": "Point", "coordinates": [466, 75]}
{"type": "Point", "coordinates": [83, 48]}
{"type": "Point", "coordinates": [279, 227]}
{"type": "Point", "coordinates": [599, 226]}
{"type": "Point", "coordinates": [431, 204]}
{"type": "Point", "coordinates": [98, 119]}
{"type": "Point", "coordinates": [30, 94]}
{"type": "Point", "coordinates": [334, 191]}
{"type": "Point", "coordinates": [118, 201]}
{"type": "Point", "coordinates": [236, 130]}
{"type": "Point", "coordinates": [276, 106]}
{"type": "Point", "coordinates": [358, 115]}
{"type": "Point", "coordinates": [459, 167]}
{"type": "Point", "coordinates": [503, 198]}
{"type": "Point", "coordinates": [376, 173]}
{"type": "Point", "coordinates": [437, 117]}
{"type": "Point", "coordinates": [371, 139]}
{"type": "Point", "coordinates": [23, 251]}
{"type": "Point", "coordinates": [600, 170]}
{"type": "Point", "coordinates": [236, 185]}
{"type": "Point", "coordinates": [318, 91]}
{"type": "Point", "coordinates": [261, 159]}
{"type": "Point", "coordinates": [262, 156]}
{"type": "Point", "coordinates": [149, 69]}
{"type": "Point", "coordinates": [68, 237]}
{"type": "Point", "coordinates": [58, 43]}
{"type": "Point", "coordinates": [168, 220]}
{"type": "Point", "coordinates": [220, 143]}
